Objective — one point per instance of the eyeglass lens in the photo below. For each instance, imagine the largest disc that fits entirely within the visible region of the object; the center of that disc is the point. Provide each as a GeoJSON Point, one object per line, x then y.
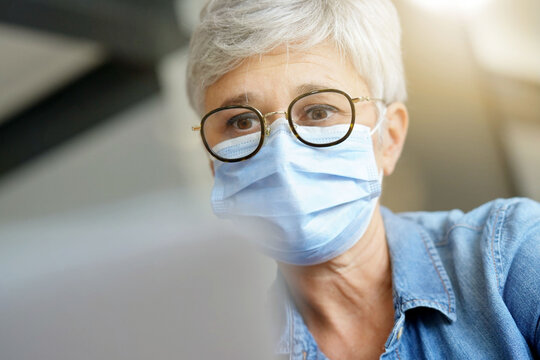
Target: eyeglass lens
{"type": "Point", "coordinates": [322, 118]}
{"type": "Point", "coordinates": [233, 133]}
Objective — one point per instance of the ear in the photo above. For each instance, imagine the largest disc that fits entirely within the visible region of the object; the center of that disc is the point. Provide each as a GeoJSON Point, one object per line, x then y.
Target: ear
{"type": "Point", "coordinates": [395, 132]}
{"type": "Point", "coordinates": [212, 167]}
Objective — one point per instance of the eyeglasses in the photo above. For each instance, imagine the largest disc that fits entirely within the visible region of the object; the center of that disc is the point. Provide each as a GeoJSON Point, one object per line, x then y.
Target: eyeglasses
{"type": "Point", "coordinates": [246, 125]}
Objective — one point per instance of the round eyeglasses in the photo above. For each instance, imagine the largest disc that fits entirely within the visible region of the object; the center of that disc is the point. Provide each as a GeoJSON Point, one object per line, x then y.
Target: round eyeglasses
{"type": "Point", "coordinates": [246, 126]}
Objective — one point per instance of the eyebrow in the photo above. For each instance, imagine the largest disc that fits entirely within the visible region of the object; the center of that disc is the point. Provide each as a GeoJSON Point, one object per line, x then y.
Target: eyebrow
{"type": "Point", "coordinates": [305, 88]}
{"type": "Point", "coordinates": [240, 99]}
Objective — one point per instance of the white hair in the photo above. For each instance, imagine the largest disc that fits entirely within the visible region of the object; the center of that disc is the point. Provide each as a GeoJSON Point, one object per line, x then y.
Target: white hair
{"type": "Point", "coordinates": [367, 32]}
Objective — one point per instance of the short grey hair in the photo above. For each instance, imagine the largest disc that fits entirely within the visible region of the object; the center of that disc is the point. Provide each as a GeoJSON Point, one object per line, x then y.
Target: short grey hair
{"type": "Point", "coordinates": [367, 32]}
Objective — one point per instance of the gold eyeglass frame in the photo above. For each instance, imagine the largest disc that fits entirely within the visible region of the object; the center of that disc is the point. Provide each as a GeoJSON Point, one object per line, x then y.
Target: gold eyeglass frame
{"type": "Point", "coordinates": [265, 129]}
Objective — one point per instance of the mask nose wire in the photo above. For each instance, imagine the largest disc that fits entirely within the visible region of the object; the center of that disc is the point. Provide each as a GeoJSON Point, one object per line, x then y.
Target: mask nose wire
{"type": "Point", "coordinates": [266, 126]}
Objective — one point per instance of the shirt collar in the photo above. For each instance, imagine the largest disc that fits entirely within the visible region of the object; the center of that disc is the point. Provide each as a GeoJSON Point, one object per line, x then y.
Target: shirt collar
{"type": "Point", "coordinates": [419, 278]}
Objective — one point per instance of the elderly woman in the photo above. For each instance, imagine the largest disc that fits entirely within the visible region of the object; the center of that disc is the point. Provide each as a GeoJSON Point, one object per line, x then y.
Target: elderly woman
{"type": "Point", "coordinates": [302, 105]}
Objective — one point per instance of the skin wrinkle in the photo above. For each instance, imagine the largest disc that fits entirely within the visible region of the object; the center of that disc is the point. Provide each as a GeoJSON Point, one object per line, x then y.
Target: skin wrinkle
{"type": "Point", "coordinates": [246, 98]}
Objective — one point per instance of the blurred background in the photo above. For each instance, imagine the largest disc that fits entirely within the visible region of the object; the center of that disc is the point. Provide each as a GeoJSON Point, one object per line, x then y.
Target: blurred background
{"type": "Point", "coordinates": [98, 164]}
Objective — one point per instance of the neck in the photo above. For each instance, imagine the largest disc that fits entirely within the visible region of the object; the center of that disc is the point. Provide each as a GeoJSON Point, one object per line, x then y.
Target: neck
{"type": "Point", "coordinates": [348, 287]}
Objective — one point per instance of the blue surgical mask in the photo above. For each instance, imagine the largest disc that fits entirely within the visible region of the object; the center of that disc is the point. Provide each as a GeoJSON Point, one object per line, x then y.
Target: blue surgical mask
{"type": "Point", "coordinates": [300, 204]}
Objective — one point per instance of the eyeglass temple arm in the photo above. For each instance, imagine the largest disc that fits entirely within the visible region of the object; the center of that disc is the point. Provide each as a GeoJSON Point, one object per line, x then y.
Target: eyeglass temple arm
{"type": "Point", "coordinates": [365, 98]}
{"type": "Point", "coordinates": [196, 128]}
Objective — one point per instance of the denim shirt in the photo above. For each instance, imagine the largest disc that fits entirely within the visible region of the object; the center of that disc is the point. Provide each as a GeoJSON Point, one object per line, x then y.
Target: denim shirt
{"type": "Point", "coordinates": [465, 286]}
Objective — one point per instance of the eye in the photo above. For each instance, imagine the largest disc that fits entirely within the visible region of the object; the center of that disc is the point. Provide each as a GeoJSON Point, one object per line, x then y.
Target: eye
{"type": "Point", "coordinates": [243, 122]}
{"type": "Point", "coordinates": [319, 112]}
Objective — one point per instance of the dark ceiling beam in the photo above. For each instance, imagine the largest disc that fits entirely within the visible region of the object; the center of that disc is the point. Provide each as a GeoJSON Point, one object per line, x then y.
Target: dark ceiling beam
{"type": "Point", "coordinates": [135, 30]}
{"type": "Point", "coordinates": [82, 105]}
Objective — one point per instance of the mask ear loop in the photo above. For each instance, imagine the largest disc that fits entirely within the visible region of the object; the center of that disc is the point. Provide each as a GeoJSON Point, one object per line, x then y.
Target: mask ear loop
{"type": "Point", "coordinates": [380, 121]}
{"type": "Point", "coordinates": [377, 126]}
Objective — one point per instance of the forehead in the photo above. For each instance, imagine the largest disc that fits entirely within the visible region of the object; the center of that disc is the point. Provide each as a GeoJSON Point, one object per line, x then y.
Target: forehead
{"type": "Point", "coordinates": [281, 74]}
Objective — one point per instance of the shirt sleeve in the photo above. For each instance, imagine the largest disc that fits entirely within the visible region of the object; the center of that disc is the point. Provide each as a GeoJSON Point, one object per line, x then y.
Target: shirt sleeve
{"type": "Point", "coordinates": [521, 291]}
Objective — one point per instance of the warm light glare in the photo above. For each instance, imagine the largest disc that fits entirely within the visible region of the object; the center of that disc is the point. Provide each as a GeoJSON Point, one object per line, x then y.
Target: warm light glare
{"type": "Point", "coordinates": [451, 5]}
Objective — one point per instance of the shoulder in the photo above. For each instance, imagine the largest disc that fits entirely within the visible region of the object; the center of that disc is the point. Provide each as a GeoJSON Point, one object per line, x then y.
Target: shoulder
{"type": "Point", "coordinates": [515, 216]}
{"type": "Point", "coordinates": [514, 225]}
{"type": "Point", "coordinates": [518, 240]}
{"type": "Point", "coordinates": [508, 228]}
{"type": "Point", "coordinates": [503, 235]}
{"type": "Point", "coordinates": [511, 233]}
{"type": "Point", "coordinates": [510, 220]}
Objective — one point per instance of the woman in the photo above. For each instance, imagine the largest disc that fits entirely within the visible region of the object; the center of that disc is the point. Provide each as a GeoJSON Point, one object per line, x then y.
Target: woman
{"type": "Point", "coordinates": [303, 115]}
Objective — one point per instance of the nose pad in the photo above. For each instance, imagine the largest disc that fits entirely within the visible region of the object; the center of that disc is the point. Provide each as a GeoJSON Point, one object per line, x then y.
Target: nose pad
{"type": "Point", "coordinates": [280, 123]}
{"type": "Point", "coordinates": [270, 127]}
{"type": "Point", "coordinates": [270, 123]}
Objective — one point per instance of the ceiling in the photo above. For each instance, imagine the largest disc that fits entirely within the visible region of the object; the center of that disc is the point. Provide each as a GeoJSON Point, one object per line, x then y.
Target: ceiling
{"type": "Point", "coordinates": [68, 65]}
{"type": "Point", "coordinates": [36, 63]}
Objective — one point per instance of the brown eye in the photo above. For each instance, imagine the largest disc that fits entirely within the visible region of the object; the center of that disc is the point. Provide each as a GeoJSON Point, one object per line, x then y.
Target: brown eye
{"type": "Point", "coordinates": [318, 114]}
{"type": "Point", "coordinates": [244, 124]}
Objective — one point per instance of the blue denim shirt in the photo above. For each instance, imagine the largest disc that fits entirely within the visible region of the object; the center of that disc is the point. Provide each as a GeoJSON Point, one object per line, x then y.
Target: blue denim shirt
{"type": "Point", "coordinates": [466, 286]}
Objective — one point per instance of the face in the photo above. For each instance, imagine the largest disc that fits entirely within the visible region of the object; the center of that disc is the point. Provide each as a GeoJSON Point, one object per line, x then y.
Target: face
{"type": "Point", "coordinates": [270, 82]}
